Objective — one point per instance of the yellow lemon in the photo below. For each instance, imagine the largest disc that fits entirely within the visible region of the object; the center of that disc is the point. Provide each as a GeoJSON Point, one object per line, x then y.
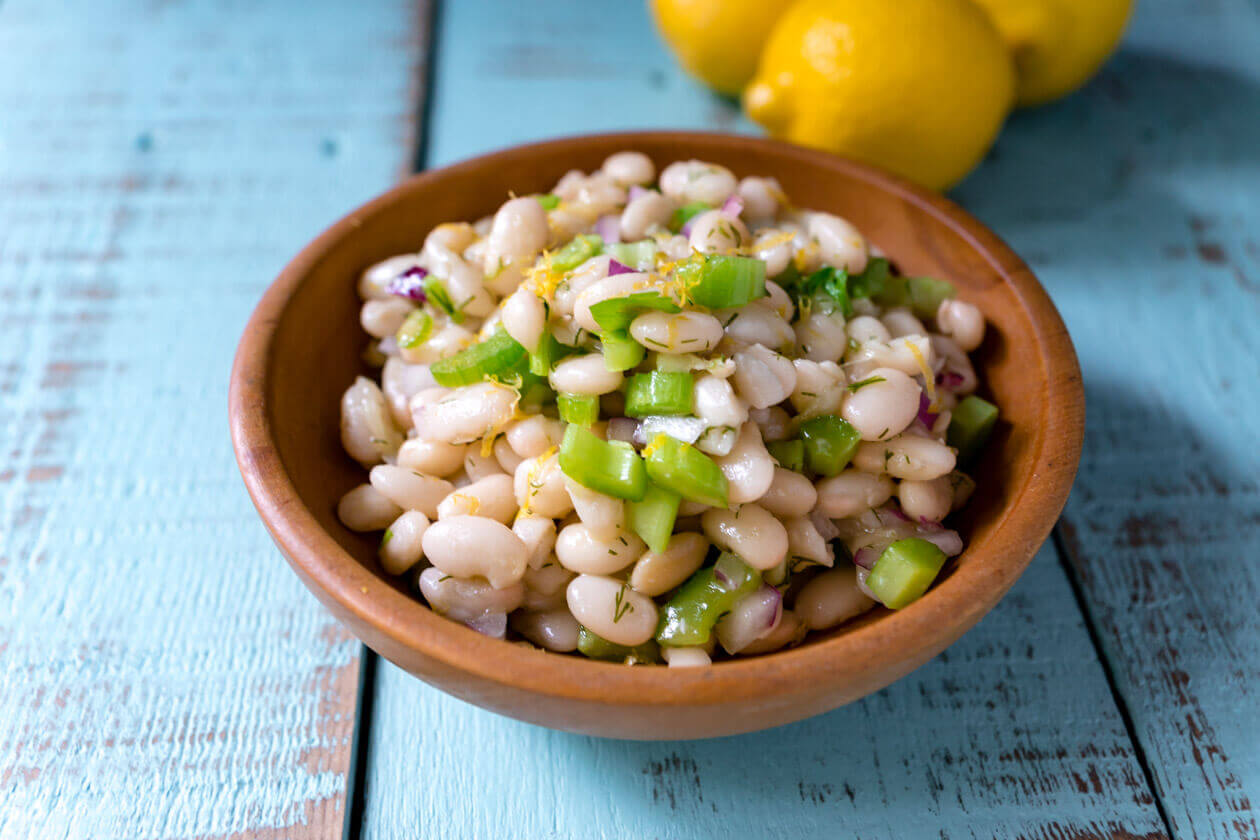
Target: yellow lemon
{"type": "Point", "coordinates": [718, 41]}
{"type": "Point", "coordinates": [920, 87]}
{"type": "Point", "coordinates": [1057, 44]}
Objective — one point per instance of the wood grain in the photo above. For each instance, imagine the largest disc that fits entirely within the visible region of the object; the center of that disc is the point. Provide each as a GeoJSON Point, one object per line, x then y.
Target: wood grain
{"type": "Point", "coordinates": [163, 673]}
{"type": "Point", "coordinates": [1012, 733]}
{"type": "Point", "coordinates": [1138, 203]}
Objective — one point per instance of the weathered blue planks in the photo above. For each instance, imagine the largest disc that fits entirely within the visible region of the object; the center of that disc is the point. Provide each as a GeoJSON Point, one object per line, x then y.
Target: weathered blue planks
{"type": "Point", "coordinates": [1013, 733]}
{"type": "Point", "coordinates": [162, 674]}
{"type": "Point", "coordinates": [1138, 204]}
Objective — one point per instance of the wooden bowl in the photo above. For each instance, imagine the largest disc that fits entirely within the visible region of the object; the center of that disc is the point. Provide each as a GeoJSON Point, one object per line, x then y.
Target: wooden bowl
{"type": "Point", "coordinates": [302, 346]}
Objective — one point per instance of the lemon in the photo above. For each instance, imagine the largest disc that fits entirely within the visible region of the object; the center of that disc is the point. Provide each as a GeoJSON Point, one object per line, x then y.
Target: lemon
{"type": "Point", "coordinates": [718, 41]}
{"type": "Point", "coordinates": [1057, 44]}
{"type": "Point", "coordinates": [920, 87]}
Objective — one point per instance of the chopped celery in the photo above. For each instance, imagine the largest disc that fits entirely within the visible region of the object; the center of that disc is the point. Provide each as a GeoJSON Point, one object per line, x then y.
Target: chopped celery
{"type": "Point", "coordinates": [498, 355]}
{"type": "Point", "coordinates": [658, 392]}
{"type": "Point", "coordinates": [615, 314]}
{"type": "Point", "coordinates": [688, 617]}
{"type": "Point", "coordinates": [970, 425]}
{"type": "Point", "coordinates": [829, 444]}
{"type": "Point", "coordinates": [687, 471]}
{"type": "Point", "coordinates": [621, 352]}
{"type": "Point", "coordinates": [639, 255]}
{"type": "Point", "coordinates": [604, 467]}
{"type": "Point", "coordinates": [436, 291]}
{"type": "Point", "coordinates": [580, 249]}
{"type": "Point", "coordinates": [597, 647]}
{"type": "Point", "coordinates": [905, 571]}
{"type": "Point", "coordinates": [686, 213]}
{"type": "Point", "coordinates": [548, 353]}
{"type": "Point", "coordinates": [717, 281]}
{"type": "Point", "coordinates": [415, 330]}
{"type": "Point", "coordinates": [578, 409]}
{"type": "Point", "coordinates": [789, 453]}
{"type": "Point", "coordinates": [923, 295]}
{"type": "Point", "coordinates": [548, 201]}
{"type": "Point", "coordinates": [653, 517]}
{"type": "Point", "coordinates": [870, 283]}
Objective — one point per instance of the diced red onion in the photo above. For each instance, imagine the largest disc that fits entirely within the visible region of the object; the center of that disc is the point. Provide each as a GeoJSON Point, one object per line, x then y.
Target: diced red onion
{"type": "Point", "coordinates": [615, 268]}
{"type": "Point", "coordinates": [686, 429]}
{"type": "Point", "coordinates": [636, 191]}
{"type": "Point", "coordinates": [946, 540]}
{"type": "Point", "coordinates": [609, 228]}
{"type": "Point", "coordinates": [926, 416]}
{"type": "Point", "coordinates": [732, 207]}
{"type": "Point", "coordinates": [930, 525]}
{"type": "Point", "coordinates": [686, 228]}
{"type": "Point", "coordinates": [893, 511]}
{"type": "Point", "coordinates": [388, 345]}
{"type": "Point", "coordinates": [723, 572]}
{"type": "Point", "coordinates": [949, 379]}
{"type": "Point", "coordinates": [492, 624]}
{"type": "Point", "coordinates": [866, 556]}
{"type": "Point", "coordinates": [409, 284]}
{"type": "Point", "coordinates": [753, 617]}
{"type": "Point", "coordinates": [623, 429]}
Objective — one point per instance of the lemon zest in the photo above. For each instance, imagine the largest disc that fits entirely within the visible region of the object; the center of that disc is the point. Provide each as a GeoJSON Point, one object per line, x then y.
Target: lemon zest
{"type": "Point", "coordinates": [929, 381]}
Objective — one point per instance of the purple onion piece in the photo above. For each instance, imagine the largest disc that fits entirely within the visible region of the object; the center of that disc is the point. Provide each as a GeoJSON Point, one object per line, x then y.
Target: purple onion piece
{"type": "Point", "coordinates": [636, 191]}
{"type": "Point", "coordinates": [732, 207]}
{"type": "Point", "coordinates": [949, 379]}
{"type": "Point", "coordinates": [492, 624]}
{"type": "Point", "coordinates": [409, 284]}
{"type": "Point", "coordinates": [946, 540]}
{"type": "Point", "coordinates": [895, 512]}
{"type": "Point", "coordinates": [866, 556]}
{"type": "Point", "coordinates": [727, 578]}
{"type": "Point", "coordinates": [615, 268]}
{"type": "Point", "coordinates": [687, 225]}
{"type": "Point", "coordinates": [753, 617]}
{"type": "Point", "coordinates": [930, 526]}
{"type": "Point", "coordinates": [624, 429]}
{"type": "Point", "coordinates": [926, 416]}
{"type": "Point", "coordinates": [609, 228]}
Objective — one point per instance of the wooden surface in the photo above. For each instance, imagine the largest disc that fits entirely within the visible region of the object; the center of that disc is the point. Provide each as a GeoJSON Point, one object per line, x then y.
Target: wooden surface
{"type": "Point", "coordinates": [163, 673]}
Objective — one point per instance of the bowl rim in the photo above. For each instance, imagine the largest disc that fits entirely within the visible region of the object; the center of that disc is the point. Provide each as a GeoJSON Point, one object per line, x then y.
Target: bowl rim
{"type": "Point", "coordinates": [915, 632]}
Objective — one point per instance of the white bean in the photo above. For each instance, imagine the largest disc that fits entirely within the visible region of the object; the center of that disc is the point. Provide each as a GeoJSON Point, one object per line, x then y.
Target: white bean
{"type": "Point", "coordinates": [682, 332]}
{"type": "Point", "coordinates": [555, 630]}
{"type": "Point", "coordinates": [566, 293]}
{"type": "Point", "coordinates": [762, 377]}
{"type": "Point", "coordinates": [761, 198]}
{"type": "Point", "coordinates": [655, 573]}
{"type": "Point", "coordinates": [748, 468]}
{"type": "Point", "coordinates": [545, 585]}
{"type": "Point", "coordinates": [790, 494]}
{"type": "Point", "coordinates": [612, 610]}
{"type": "Point", "coordinates": [585, 375]}
{"type": "Point", "coordinates": [866, 328]}
{"type": "Point", "coordinates": [409, 489]}
{"type": "Point", "coordinates": [901, 321]}
{"type": "Point", "coordinates": [372, 281]}
{"type": "Point", "coordinates": [579, 550]}
{"type": "Point", "coordinates": [775, 250]}
{"type": "Point", "coordinates": [603, 516]}
{"type": "Point", "coordinates": [686, 657]}
{"type": "Point", "coordinates": [519, 230]}
{"type": "Point", "coordinates": [534, 435]}
{"type": "Point", "coordinates": [506, 456]}
{"type": "Point", "coordinates": [383, 317]}
{"type": "Point", "coordinates": [839, 243]}
{"type": "Point", "coordinates": [852, 492]}
{"type": "Point", "coordinates": [961, 321]}
{"type": "Point", "coordinates": [788, 630]}
{"type": "Point", "coordinates": [908, 354]}
{"type": "Point", "coordinates": [524, 317]}
{"type": "Point", "coordinates": [462, 599]}
{"type": "Point", "coordinates": [713, 232]}
{"type": "Point", "coordinates": [694, 180]}
{"type": "Point", "coordinates": [628, 168]}
{"type": "Point", "coordinates": [446, 340]}
{"type": "Point", "coordinates": [401, 547]}
{"type": "Point", "coordinates": [366, 509]}
{"type": "Point", "coordinates": [644, 213]}
{"type": "Point", "coordinates": [465, 414]}
{"type": "Point", "coordinates": [750, 531]}
{"type": "Point", "coordinates": [931, 500]}
{"type": "Point", "coordinates": [478, 466]}
{"type": "Point", "coordinates": [716, 404]}
{"type": "Point", "coordinates": [820, 388]}
{"type": "Point", "coordinates": [539, 535]}
{"type": "Point", "coordinates": [474, 546]}
{"type": "Point", "coordinates": [539, 486]}
{"type": "Point", "coordinates": [820, 336]}
{"type": "Point", "coordinates": [805, 543]}
{"type": "Point", "coordinates": [774, 422]}
{"type": "Point", "coordinates": [368, 432]}
{"type": "Point", "coordinates": [884, 407]}
{"type": "Point", "coordinates": [432, 457]}
{"type": "Point", "coordinates": [906, 456]}
{"type": "Point", "coordinates": [756, 323]}
{"type": "Point", "coordinates": [779, 301]}
{"type": "Point", "coordinates": [491, 497]}
{"type": "Point", "coordinates": [831, 598]}
{"type": "Point", "coordinates": [466, 288]}
{"type": "Point", "coordinates": [617, 286]}
{"type": "Point", "coordinates": [399, 383]}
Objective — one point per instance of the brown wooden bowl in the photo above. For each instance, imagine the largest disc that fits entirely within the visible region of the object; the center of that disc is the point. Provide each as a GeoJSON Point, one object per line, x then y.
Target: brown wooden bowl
{"type": "Point", "coordinates": [302, 346]}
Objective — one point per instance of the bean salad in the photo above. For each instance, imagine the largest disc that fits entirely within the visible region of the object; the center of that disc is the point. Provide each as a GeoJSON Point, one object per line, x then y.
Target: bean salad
{"type": "Point", "coordinates": [661, 419]}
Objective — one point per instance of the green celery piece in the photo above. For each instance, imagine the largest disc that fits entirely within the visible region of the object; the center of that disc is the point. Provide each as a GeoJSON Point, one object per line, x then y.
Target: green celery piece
{"type": "Point", "coordinates": [578, 409]}
{"type": "Point", "coordinates": [640, 255]}
{"type": "Point", "coordinates": [904, 572]}
{"type": "Point", "coordinates": [829, 285]}
{"type": "Point", "coordinates": [686, 213]}
{"type": "Point", "coordinates": [615, 314]}
{"type": "Point", "coordinates": [597, 647]}
{"type": "Point", "coordinates": [688, 618]}
{"type": "Point", "coordinates": [870, 283]}
{"type": "Point", "coordinates": [789, 453]}
{"type": "Point", "coordinates": [548, 201]}
{"type": "Point", "coordinates": [829, 444]}
{"type": "Point", "coordinates": [659, 392]}
{"type": "Point", "coordinates": [549, 351]}
{"type": "Point", "coordinates": [605, 467]}
{"type": "Point", "coordinates": [717, 281]}
{"type": "Point", "coordinates": [653, 518]}
{"type": "Point", "coordinates": [687, 471]}
{"type": "Point", "coordinates": [923, 295]}
{"type": "Point", "coordinates": [499, 355]}
{"type": "Point", "coordinates": [436, 292]}
{"type": "Point", "coordinates": [970, 425]}
{"type": "Point", "coordinates": [579, 249]}
{"type": "Point", "coordinates": [415, 330]}
{"type": "Point", "coordinates": [621, 352]}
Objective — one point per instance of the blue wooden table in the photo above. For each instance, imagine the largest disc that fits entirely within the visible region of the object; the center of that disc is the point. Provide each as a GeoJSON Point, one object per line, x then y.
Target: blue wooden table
{"type": "Point", "coordinates": [163, 674]}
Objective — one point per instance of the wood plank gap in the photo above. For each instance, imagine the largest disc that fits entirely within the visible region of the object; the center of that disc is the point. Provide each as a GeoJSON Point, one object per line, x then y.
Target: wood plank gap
{"type": "Point", "coordinates": [1117, 697]}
